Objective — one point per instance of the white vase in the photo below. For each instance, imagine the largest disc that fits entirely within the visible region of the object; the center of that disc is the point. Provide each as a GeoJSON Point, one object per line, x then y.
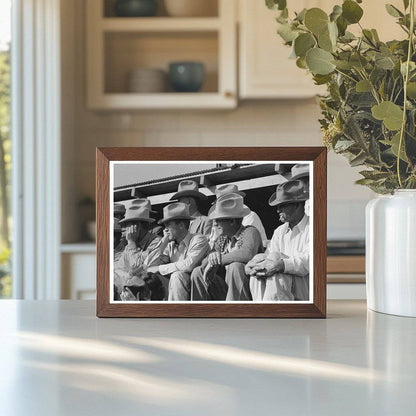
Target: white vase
{"type": "Point", "coordinates": [391, 253]}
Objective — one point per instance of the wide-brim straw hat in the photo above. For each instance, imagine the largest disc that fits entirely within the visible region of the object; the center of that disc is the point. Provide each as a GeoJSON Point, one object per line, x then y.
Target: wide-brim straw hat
{"type": "Point", "coordinates": [289, 192]}
{"type": "Point", "coordinates": [142, 202]}
{"type": "Point", "coordinates": [188, 188]}
{"type": "Point", "coordinates": [175, 211]}
{"type": "Point", "coordinates": [229, 188]}
{"type": "Point", "coordinates": [229, 206]}
{"type": "Point", "coordinates": [137, 214]}
{"type": "Point", "coordinates": [119, 209]}
{"type": "Point", "coordinates": [299, 171]}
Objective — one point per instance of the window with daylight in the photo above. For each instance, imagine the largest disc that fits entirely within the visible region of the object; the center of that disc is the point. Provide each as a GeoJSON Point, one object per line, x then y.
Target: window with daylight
{"type": "Point", "coordinates": [5, 148]}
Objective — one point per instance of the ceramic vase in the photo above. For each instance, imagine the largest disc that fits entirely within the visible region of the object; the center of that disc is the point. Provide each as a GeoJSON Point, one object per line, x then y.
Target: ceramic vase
{"type": "Point", "coordinates": [391, 253]}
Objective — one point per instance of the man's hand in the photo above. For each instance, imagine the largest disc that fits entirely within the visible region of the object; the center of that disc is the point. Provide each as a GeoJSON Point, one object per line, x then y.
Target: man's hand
{"type": "Point", "coordinates": [165, 238]}
{"type": "Point", "coordinates": [208, 274]}
{"type": "Point", "coordinates": [269, 267]}
{"type": "Point", "coordinates": [214, 259]}
{"type": "Point", "coordinates": [132, 234]}
{"type": "Point", "coordinates": [153, 269]}
{"type": "Point", "coordinates": [254, 262]}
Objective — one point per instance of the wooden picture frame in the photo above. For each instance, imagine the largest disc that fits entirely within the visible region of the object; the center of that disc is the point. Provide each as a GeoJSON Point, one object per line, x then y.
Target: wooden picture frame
{"type": "Point", "coordinates": [314, 308]}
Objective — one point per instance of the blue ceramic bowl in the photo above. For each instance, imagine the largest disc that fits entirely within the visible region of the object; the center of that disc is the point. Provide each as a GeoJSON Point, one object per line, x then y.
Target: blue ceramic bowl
{"type": "Point", "coordinates": [186, 76]}
{"type": "Point", "coordinates": [135, 8]}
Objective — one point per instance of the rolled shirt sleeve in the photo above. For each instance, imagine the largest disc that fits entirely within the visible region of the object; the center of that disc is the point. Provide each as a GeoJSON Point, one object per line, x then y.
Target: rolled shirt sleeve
{"type": "Point", "coordinates": [134, 256]}
{"type": "Point", "coordinates": [297, 265]}
{"type": "Point", "coordinates": [188, 257]}
{"type": "Point", "coordinates": [295, 245]}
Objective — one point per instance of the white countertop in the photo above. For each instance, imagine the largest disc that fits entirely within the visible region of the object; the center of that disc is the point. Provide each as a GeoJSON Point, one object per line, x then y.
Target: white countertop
{"type": "Point", "coordinates": [57, 358]}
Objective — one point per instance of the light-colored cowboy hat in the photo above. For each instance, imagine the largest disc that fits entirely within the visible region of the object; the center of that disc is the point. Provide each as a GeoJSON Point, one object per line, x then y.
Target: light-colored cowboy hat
{"type": "Point", "coordinates": [299, 171]}
{"type": "Point", "coordinates": [137, 214]}
{"type": "Point", "coordinates": [142, 202]}
{"type": "Point", "coordinates": [188, 188]}
{"type": "Point", "coordinates": [117, 228]}
{"type": "Point", "coordinates": [289, 192]}
{"type": "Point", "coordinates": [175, 211]}
{"type": "Point", "coordinates": [119, 209]}
{"type": "Point", "coordinates": [229, 206]}
{"type": "Point", "coordinates": [229, 188]}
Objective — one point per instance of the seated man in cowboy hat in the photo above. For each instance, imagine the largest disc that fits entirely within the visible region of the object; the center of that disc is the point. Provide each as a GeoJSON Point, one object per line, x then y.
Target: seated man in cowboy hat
{"type": "Point", "coordinates": [189, 194]}
{"type": "Point", "coordinates": [222, 276]}
{"type": "Point", "coordinates": [142, 248]}
{"type": "Point", "coordinates": [119, 213]}
{"type": "Point", "coordinates": [181, 251]}
{"type": "Point", "coordinates": [283, 272]}
{"type": "Point", "coordinates": [117, 239]}
{"type": "Point", "coordinates": [250, 219]}
{"type": "Point", "coordinates": [301, 172]}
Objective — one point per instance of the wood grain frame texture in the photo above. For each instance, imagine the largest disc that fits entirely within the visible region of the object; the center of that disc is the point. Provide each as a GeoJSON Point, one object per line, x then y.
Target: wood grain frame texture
{"type": "Point", "coordinates": [317, 309]}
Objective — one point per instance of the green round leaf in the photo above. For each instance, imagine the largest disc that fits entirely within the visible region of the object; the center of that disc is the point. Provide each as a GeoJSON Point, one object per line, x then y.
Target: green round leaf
{"type": "Point", "coordinates": [336, 12]}
{"type": "Point", "coordinates": [303, 43]}
{"type": "Point", "coordinates": [390, 113]}
{"type": "Point", "coordinates": [342, 25]}
{"type": "Point", "coordinates": [319, 61]}
{"type": "Point", "coordinates": [363, 86]}
{"type": "Point", "coordinates": [351, 11]}
{"type": "Point", "coordinates": [286, 32]}
{"type": "Point", "coordinates": [411, 90]}
{"type": "Point", "coordinates": [276, 4]}
{"type": "Point", "coordinates": [316, 20]}
{"type": "Point", "coordinates": [393, 11]}
{"type": "Point", "coordinates": [385, 63]}
{"type": "Point", "coordinates": [301, 63]}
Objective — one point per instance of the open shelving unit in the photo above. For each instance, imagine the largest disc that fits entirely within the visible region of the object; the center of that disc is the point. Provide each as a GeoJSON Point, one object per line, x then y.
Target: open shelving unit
{"type": "Point", "coordinates": [118, 45]}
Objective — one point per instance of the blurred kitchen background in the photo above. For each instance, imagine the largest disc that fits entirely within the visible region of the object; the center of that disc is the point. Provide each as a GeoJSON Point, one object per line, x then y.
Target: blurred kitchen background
{"type": "Point", "coordinates": [118, 87]}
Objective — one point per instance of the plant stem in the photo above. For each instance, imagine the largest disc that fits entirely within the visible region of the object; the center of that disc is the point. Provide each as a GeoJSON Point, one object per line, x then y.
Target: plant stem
{"type": "Point", "coordinates": [345, 75]}
{"type": "Point", "coordinates": [406, 79]}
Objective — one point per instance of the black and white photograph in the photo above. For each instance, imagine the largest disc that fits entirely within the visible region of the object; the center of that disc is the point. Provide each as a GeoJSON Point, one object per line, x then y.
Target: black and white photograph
{"type": "Point", "coordinates": [185, 231]}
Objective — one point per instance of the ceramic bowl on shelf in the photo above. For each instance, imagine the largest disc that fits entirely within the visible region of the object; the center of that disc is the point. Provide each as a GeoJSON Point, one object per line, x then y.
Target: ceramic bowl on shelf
{"type": "Point", "coordinates": [147, 80]}
{"type": "Point", "coordinates": [186, 76]}
{"type": "Point", "coordinates": [191, 8]}
{"type": "Point", "coordinates": [135, 8]}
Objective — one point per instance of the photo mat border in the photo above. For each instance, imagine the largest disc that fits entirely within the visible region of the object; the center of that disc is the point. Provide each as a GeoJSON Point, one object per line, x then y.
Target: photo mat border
{"type": "Point", "coordinates": [150, 162]}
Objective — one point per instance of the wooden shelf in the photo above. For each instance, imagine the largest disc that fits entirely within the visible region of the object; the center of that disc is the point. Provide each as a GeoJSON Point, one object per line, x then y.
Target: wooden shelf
{"type": "Point", "coordinates": [80, 247]}
{"type": "Point", "coordinates": [129, 101]}
{"type": "Point", "coordinates": [159, 24]}
{"type": "Point", "coordinates": [346, 264]}
{"type": "Point", "coordinates": [116, 46]}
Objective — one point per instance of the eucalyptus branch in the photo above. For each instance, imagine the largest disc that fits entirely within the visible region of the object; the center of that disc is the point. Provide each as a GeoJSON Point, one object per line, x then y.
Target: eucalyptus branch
{"type": "Point", "coordinates": [345, 75]}
{"type": "Point", "coordinates": [373, 89]}
{"type": "Point", "coordinates": [406, 79]}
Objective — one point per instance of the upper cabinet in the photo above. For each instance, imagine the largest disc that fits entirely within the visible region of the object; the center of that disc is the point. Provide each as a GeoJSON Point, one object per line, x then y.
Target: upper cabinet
{"type": "Point", "coordinates": [265, 70]}
{"type": "Point", "coordinates": [128, 58]}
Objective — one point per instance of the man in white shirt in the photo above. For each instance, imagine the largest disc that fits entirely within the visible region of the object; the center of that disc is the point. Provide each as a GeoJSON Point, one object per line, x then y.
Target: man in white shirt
{"type": "Point", "coordinates": [180, 250]}
{"type": "Point", "coordinates": [301, 172]}
{"type": "Point", "coordinates": [283, 272]}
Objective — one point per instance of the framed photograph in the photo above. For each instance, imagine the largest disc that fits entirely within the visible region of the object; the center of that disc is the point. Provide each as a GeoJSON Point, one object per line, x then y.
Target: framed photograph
{"type": "Point", "coordinates": [211, 232]}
